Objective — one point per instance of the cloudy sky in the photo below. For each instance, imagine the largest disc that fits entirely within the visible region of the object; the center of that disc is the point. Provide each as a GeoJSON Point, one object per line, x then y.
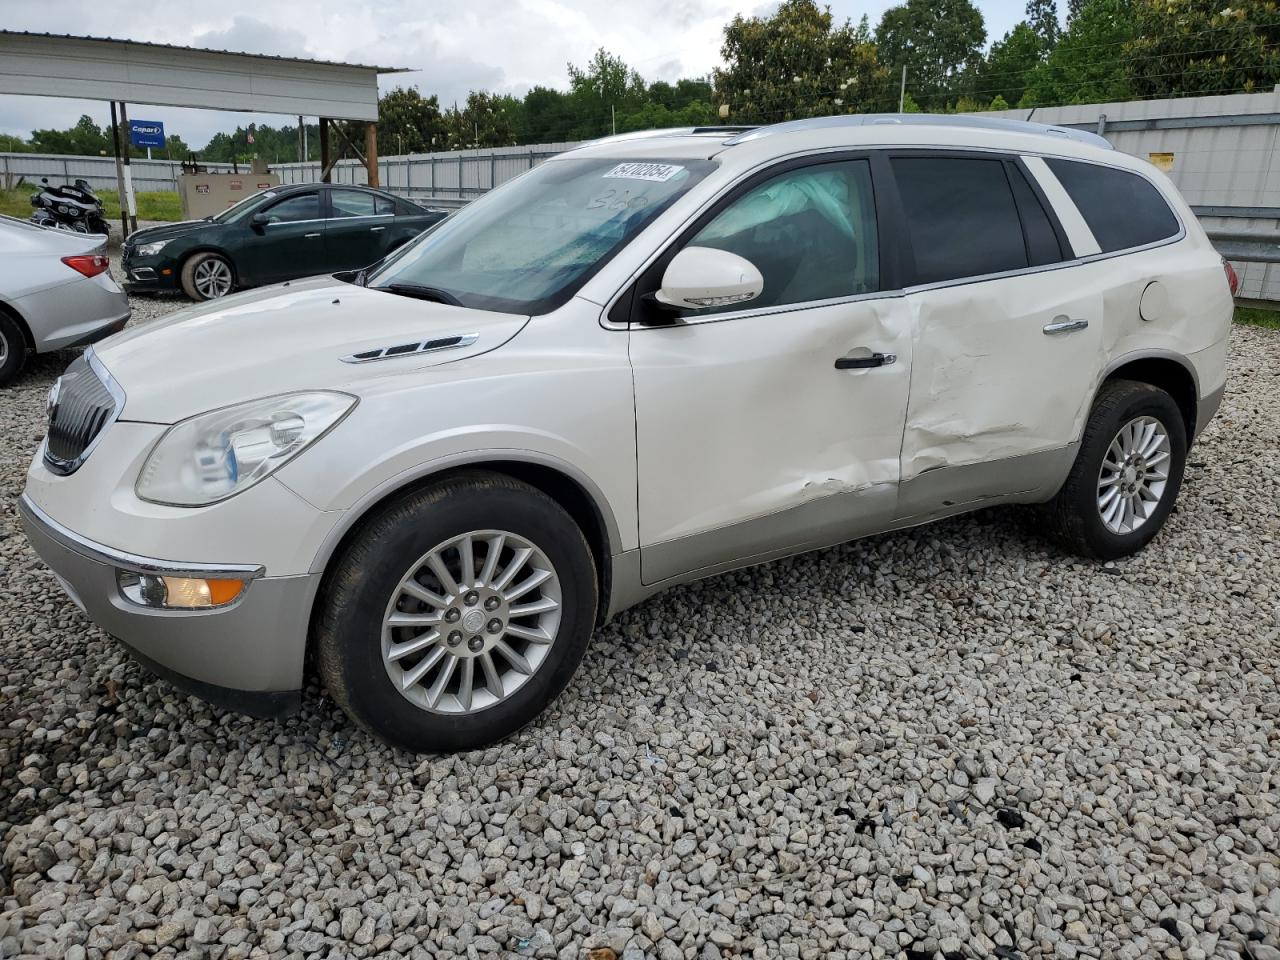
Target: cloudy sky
{"type": "Point", "coordinates": [502, 45]}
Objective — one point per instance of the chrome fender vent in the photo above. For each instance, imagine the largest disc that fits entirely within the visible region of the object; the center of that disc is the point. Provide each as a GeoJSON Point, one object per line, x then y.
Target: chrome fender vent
{"type": "Point", "coordinates": [412, 349]}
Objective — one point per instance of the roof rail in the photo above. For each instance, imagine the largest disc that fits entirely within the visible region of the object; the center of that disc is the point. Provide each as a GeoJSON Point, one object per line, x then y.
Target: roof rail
{"type": "Point", "coordinates": [924, 120]}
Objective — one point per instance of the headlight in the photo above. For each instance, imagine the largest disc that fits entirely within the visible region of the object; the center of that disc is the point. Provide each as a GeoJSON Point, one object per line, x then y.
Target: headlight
{"type": "Point", "coordinates": [218, 454]}
{"type": "Point", "coordinates": [150, 249]}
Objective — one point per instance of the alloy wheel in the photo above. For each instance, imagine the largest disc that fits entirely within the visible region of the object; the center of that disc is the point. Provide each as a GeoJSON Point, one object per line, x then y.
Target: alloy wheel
{"type": "Point", "coordinates": [471, 622]}
{"type": "Point", "coordinates": [1134, 474]}
{"type": "Point", "coordinates": [212, 278]}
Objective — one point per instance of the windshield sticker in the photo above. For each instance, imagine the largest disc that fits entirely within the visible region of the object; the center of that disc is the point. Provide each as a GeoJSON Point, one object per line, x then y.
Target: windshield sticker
{"type": "Point", "coordinates": [657, 172]}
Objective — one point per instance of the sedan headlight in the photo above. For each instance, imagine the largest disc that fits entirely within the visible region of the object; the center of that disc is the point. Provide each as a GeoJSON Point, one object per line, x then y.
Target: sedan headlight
{"type": "Point", "coordinates": [218, 454]}
{"type": "Point", "coordinates": [150, 249]}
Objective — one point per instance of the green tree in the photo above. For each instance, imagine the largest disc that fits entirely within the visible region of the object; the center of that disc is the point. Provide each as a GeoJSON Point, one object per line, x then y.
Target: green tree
{"type": "Point", "coordinates": [1009, 63]}
{"type": "Point", "coordinates": [485, 121]}
{"type": "Point", "coordinates": [547, 117]}
{"type": "Point", "coordinates": [601, 90]}
{"type": "Point", "coordinates": [938, 41]}
{"type": "Point", "coordinates": [408, 122]}
{"type": "Point", "coordinates": [1193, 47]}
{"type": "Point", "coordinates": [798, 63]}
{"type": "Point", "coordinates": [1042, 15]}
{"type": "Point", "coordinates": [86, 138]}
{"type": "Point", "coordinates": [1088, 64]}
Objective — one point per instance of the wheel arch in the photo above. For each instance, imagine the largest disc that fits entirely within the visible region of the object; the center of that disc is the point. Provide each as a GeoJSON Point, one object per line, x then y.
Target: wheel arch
{"type": "Point", "coordinates": [569, 487]}
{"type": "Point", "coordinates": [12, 313]}
{"type": "Point", "coordinates": [207, 247]}
{"type": "Point", "coordinates": [1166, 370]}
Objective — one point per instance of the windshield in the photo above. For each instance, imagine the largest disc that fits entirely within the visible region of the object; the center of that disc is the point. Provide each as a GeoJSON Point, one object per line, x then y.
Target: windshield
{"type": "Point", "coordinates": [240, 206]}
{"type": "Point", "coordinates": [528, 246]}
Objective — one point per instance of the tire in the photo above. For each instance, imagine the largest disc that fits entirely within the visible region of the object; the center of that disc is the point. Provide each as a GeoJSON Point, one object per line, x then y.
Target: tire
{"type": "Point", "coordinates": [1076, 517]}
{"type": "Point", "coordinates": [207, 265]}
{"type": "Point", "coordinates": [13, 349]}
{"type": "Point", "coordinates": [366, 584]}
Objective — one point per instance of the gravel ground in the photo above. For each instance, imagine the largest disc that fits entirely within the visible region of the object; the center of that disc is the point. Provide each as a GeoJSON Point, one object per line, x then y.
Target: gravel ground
{"type": "Point", "coordinates": [948, 742]}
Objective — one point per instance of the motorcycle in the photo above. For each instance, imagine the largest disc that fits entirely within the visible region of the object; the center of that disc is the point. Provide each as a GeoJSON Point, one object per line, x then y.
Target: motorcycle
{"type": "Point", "coordinates": [75, 208]}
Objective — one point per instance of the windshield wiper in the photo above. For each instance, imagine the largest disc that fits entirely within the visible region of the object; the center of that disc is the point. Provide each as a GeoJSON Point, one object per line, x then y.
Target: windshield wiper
{"type": "Point", "coordinates": [422, 292]}
{"type": "Point", "coordinates": [359, 278]}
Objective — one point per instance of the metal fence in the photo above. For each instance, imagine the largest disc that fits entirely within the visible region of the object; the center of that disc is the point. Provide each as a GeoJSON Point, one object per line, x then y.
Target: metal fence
{"type": "Point", "coordinates": [447, 177]}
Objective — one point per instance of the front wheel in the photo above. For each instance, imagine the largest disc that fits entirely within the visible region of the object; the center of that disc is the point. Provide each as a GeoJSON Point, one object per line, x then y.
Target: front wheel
{"type": "Point", "coordinates": [1127, 473]}
{"type": "Point", "coordinates": [457, 613]}
{"type": "Point", "coordinates": [207, 276]}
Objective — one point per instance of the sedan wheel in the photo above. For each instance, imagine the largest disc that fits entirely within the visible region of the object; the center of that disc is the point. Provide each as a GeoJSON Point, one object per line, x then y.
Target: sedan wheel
{"type": "Point", "coordinates": [207, 276]}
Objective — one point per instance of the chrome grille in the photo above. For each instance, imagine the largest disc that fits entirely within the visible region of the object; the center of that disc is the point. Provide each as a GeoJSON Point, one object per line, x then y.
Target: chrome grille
{"type": "Point", "coordinates": [81, 404]}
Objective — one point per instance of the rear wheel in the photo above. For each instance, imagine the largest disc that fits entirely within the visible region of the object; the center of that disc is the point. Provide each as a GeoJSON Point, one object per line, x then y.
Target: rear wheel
{"type": "Point", "coordinates": [13, 349]}
{"type": "Point", "coordinates": [457, 614]}
{"type": "Point", "coordinates": [1127, 473]}
{"type": "Point", "coordinates": [207, 276]}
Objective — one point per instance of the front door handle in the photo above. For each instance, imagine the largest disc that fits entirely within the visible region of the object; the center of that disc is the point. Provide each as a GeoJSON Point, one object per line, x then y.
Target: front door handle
{"type": "Point", "coordinates": [310, 236]}
{"type": "Point", "coordinates": [1064, 324]}
{"type": "Point", "coordinates": [376, 229]}
{"type": "Point", "coordinates": [861, 363]}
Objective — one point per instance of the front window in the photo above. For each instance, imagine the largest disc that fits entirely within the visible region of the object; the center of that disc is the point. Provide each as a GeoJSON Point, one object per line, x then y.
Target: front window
{"type": "Point", "coordinates": [527, 247]}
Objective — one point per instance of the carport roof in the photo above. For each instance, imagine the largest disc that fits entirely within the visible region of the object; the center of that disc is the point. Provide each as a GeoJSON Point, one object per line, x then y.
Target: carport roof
{"type": "Point", "coordinates": [104, 68]}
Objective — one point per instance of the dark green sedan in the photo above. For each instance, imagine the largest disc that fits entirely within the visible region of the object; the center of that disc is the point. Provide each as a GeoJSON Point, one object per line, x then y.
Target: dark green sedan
{"type": "Point", "coordinates": [280, 234]}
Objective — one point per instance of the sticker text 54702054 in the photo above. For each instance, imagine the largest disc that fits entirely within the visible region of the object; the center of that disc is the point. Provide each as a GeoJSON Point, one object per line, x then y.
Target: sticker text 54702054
{"type": "Point", "coordinates": [657, 172]}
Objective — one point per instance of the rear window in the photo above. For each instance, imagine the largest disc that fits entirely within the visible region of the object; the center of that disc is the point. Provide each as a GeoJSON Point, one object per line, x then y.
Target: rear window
{"type": "Point", "coordinates": [960, 216]}
{"type": "Point", "coordinates": [1121, 208]}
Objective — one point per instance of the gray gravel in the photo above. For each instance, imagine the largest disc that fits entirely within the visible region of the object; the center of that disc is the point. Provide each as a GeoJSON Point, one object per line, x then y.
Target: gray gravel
{"type": "Point", "coordinates": [952, 741]}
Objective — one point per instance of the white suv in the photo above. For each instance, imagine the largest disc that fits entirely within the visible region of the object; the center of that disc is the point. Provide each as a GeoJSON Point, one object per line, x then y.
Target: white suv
{"type": "Point", "coordinates": [648, 360]}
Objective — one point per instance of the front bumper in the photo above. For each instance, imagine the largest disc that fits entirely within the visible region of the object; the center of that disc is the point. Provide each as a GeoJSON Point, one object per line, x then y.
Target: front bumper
{"type": "Point", "coordinates": [149, 274]}
{"type": "Point", "coordinates": [247, 656]}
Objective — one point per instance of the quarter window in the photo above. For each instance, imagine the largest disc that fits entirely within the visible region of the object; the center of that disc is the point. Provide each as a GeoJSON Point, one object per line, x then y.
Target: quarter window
{"type": "Point", "coordinates": [961, 217]}
{"type": "Point", "coordinates": [302, 206]}
{"type": "Point", "coordinates": [1121, 208]}
{"type": "Point", "coordinates": [810, 232]}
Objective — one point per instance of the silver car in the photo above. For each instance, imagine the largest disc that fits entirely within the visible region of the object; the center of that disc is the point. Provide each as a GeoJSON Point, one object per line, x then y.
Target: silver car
{"type": "Point", "coordinates": [56, 292]}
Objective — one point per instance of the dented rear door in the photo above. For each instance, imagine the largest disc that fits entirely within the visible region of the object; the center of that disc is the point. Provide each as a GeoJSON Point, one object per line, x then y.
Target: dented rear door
{"type": "Point", "coordinates": [1006, 328]}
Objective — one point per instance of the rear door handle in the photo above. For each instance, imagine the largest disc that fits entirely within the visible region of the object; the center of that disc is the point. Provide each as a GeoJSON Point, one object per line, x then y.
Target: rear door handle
{"type": "Point", "coordinates": [861, 363]}
{"type": "Point", "coordinates": [1064, 324]}
{"type": "Point", "coordinates": [310, 236]}
{"type": "Point", "coordinates": [376, 229]}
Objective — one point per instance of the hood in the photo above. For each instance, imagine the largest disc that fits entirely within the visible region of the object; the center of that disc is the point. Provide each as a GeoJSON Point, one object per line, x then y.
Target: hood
{"type": "Point", "coordinates": [170, 231]}
{"type": "Point", "coordinates": [285, 338]}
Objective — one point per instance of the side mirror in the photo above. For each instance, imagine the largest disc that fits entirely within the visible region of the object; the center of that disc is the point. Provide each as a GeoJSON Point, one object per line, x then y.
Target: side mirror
{"type": "Point", "coordinates": [700, 277]}
{"type": "Point", "coordinates": [260, 219]}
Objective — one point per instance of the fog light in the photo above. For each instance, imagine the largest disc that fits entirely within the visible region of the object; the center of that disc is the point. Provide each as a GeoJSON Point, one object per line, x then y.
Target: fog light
{"type": "Point", "coordinates": [177, 593]}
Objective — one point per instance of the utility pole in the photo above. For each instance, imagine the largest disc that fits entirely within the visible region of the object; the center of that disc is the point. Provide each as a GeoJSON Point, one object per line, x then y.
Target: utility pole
{"type": "Point", "coordinates": [302, 143]}
{"type": "Point", "coordinates": [115, 148]}
{"type": "Point", "coordinates": [613, 117]}
{"type": "Point", "coordinates": [127, 200]}
{"type": "Point", "coordinates": [902, 91]}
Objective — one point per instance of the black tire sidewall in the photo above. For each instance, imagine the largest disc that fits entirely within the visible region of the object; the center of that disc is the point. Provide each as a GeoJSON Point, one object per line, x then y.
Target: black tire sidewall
{"type": "Point", "coordinates": [1137, 400]}
{"type": "Point", "coordinates": [16, 355]}
{"type": "Point", "coordinates": [375, 563]}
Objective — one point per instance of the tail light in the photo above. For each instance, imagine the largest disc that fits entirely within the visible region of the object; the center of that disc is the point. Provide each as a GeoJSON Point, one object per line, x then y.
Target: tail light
{"type": "Point", "coordinates": [88, 264]}
{"type": "Point", "coordinates": [1233, 281]}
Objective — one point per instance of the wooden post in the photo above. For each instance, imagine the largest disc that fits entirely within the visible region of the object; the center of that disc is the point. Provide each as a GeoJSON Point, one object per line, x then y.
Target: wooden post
{"type": "Point", "coordinates": [325, 167]}
{"type": "Point", "coordinates": [371, 153]}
